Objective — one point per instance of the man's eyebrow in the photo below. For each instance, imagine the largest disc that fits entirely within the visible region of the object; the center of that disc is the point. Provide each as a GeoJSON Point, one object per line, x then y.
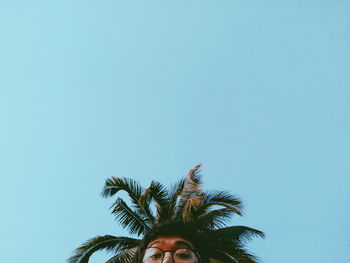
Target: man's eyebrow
{"type": "Point", "coordinates": [152, 243]}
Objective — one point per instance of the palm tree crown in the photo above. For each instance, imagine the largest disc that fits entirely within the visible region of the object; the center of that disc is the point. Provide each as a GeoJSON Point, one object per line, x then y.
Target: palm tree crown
{"type": "Point", "coordinates": [208, 211]}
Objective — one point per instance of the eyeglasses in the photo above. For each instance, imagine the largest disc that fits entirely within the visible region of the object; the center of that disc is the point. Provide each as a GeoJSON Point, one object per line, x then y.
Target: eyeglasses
{"type": "Point", "coordinates": [180, 255]}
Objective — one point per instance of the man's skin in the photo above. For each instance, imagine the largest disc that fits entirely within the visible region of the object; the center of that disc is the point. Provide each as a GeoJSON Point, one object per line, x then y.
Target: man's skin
{"type": "Point", "coordinates": [170, 243]}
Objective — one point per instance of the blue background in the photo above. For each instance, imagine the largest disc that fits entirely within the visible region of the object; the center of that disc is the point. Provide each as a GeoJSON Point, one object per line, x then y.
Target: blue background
{"type": "Point", "coordinates": [256, 91]}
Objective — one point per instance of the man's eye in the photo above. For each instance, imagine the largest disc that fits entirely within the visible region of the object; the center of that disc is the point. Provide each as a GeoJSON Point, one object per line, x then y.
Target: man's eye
{"type": "Point", "coordinates": [157, 255]}
{"type": "Point", "coordinates": [183, 255]}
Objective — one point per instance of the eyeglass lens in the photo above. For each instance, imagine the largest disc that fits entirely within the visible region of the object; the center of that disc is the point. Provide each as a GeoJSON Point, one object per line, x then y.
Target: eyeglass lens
{"type": "Point", "coordinates": [180, 255]}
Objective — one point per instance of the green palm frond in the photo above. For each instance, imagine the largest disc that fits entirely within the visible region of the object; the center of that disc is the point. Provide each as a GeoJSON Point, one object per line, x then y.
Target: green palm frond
{"type": "Point", "coordinates": [114, 184]}
{"type": "Point", "coordinates": [245, 257]}
{"type": "Point", "coordinates": [231, 255]}
{"type": "Point", "coordinates": [129, 219]}
{"type": "Point", "coordinates": [235, 234]}
{"type": "Point", "coordinates": [213, 219]}
{"type": "Point", "coordinates": [159, 194]}
{"type": "Point", "coordinates": [221, 256]}
{"type": "Point", "coordinates": [174, 194]}
{"type": "Point", "coordinates": [221, 198]}
{"type": "Point", "coordinates": [227, 253]}
{"type": "Point", "coordinates": [213, 260]}
{"type": "Point", "coordinates": [108, 242]}
{"type": "Point", "coordinates": [128, 256]}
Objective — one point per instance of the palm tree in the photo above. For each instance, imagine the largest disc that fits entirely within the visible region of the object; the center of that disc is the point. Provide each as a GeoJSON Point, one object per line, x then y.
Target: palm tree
{"type": "Point", "coordinates": [208, 211]}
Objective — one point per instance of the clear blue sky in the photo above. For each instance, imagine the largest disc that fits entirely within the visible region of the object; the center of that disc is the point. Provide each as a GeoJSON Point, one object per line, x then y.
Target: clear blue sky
{"type": "Point", "coordinates": [256, 91]}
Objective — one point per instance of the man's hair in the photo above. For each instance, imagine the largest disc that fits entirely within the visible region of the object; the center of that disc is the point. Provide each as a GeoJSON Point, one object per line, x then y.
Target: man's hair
{"type": "Point", "coordinates": [186, 231]}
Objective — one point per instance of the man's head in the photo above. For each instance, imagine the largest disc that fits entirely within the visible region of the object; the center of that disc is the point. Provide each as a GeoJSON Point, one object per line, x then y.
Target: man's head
{"type": "Point", "coordinates": [172, 242]}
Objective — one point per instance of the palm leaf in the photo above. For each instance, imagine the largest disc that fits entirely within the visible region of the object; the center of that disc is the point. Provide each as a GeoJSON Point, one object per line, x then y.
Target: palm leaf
{"type": "Point", "coordinates": [114, 184]}
{"type": "Point", "coordinates": [213, 219]}
{"type": "Point", "coordinates": [128, 256]}
{"type": "Point", "coordinates": [192, 182]}
{"type": "Point", "coordinates": [227, 253]}
{"type": "Point", "coordinates": [159, 194]}
{"type": "Point", "coordinates": [236, 234]}
{"type": "Point", "coordinates": [191, 195]}
{"type": "Point", "coordinates": [213, 260]}
{"type": "Point", "coordinates": [221, 198]}
{"type": "Point", "coordinates": [221, 256]}
{"type": "Point", "coordinates": [129, 219]}
{"type": "Point", "coordinates": [108, 242]}
{"type": "Point", "coordinates": [190, 206]}
{"type": "Point", "coordinates": [244, 257]}
{"type": "Point", "coordinates": [173, 196]}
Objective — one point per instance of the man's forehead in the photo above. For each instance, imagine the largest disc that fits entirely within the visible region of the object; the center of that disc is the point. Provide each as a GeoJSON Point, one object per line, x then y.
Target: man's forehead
{"type": "Point", "coordinates": [171, 241]}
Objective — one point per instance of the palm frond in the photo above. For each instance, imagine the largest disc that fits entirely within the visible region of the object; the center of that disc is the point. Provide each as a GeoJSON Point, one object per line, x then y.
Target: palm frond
{"type": "Point", "coordinates": [115, 184]}
{"type": "Point", "coordinates": [190, 206]}
{"type": "Point", "coordinates": [235, 234]}
{"type": "Point", "coordinates": [192, 182]}
{"type": "Point", "coordinates": [108, 242]}
{"type": "Point", "coordinates": [129, 219]}
{"type": "Point", "coordinates": [191, 195]}
{"type": "Point", "coordinates": [245, 257]}
{"type": "Point", "coordinates": [221, 256]}
{"type": "Point", "coordinates": [159, 194]}
{"type": "Point", "coordinates": [173, 196]}
{"type": "Point", "coordinates": [214, 260]}
{"type": "Point", "coordinates": [128, 256]}
{"type": "Point", "coordinates": [227, 253]}
{"type": "Point", "coordinates": [221, 198]}
{"type": "Point", "coordinates": [213, 219]}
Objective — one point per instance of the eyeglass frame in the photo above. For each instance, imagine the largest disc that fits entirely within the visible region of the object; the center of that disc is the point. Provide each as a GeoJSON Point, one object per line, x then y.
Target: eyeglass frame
{"type": "Point", "coordinates": [196, 254]}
